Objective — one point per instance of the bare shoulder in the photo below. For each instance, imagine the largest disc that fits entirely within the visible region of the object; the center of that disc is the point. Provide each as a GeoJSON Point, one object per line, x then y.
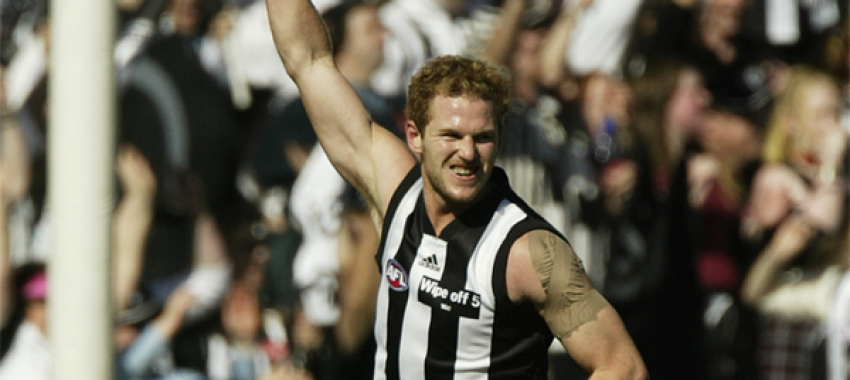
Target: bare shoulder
{"type": "Point", "coordinates": [544, 269]}
{"type": "Point", "coordinates": [547, 272]}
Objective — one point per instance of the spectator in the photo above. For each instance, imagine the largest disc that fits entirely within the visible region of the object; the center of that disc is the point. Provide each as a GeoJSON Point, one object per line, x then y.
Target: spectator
{"type": "Point", "coordinates": [719, 177]}
{"type": "Point", "coordinates": [796, 219]}
{"type": "Point", "coordinates": [358, 283]}
{"type": "Point", "coordinates": [247, 347]}
{"type": "Point", "coordinates": [149, 357]}
{"type": "Point", "coordinates": [183, 122]}
{"type": "Point", "coordinates": [131, 222]}
{"type": "Point", "coordinates": [29, 355]}
{"type": "Point", "coordinates": [601, 37]}
{"type": "Point", "coordinates": [651, 272]}
{"type": "Point", "coordinates": [15, 180]}
{"type": "Point", "coordinates": [418, 31]}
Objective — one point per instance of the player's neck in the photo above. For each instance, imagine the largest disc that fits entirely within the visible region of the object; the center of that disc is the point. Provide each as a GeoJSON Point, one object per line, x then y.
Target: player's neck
{"type": "Point", "coordinates": [440, 212]}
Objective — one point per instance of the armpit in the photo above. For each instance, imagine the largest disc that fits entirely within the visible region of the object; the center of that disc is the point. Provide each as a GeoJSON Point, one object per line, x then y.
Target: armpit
{"type": "Point", "coordinates": [570, 303]}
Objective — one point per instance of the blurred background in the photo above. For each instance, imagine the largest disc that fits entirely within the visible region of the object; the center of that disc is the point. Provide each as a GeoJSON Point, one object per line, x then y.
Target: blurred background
{"type": "Point", "coordinates": [694, 152]}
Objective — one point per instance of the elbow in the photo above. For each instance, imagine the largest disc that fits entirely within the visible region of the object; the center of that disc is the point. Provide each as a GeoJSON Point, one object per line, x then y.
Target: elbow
{"type": "Point", "coordinates": [293, 66]}
{"type": "Point", "coordinates": [296, 64]}
{"type": "Point", "coordinates": [630, 367]}
{"type": "Point", "coordinates": [633, 369]}
{"type": "Point", "coordinates": [639, 372]}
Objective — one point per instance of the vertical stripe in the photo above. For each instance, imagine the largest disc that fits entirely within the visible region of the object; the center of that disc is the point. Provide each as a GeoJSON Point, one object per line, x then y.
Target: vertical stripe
{"type": "Point", "coordinates": [415, 330]}
{"type": "Point", "coordinates": [474, 340]}
{"type": "Point", "coordinates": [521, 337]}
{"type": "Point", "coordinates": [394, 236]}
{"type": "Point", "coordinates": [443, 328]}
{"type": "Point", "coordinates": [396, 314]}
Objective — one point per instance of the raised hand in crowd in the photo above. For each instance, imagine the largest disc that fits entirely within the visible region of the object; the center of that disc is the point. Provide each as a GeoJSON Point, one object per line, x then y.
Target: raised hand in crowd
{"type": "Point", "coordinates": [287, 372]}
{"type": "Point", "coordinates": [132, 220]}
{"type": "Point", "coordinates": [174, 312]}
{"type": "Point", "coordinates": [616, 183]}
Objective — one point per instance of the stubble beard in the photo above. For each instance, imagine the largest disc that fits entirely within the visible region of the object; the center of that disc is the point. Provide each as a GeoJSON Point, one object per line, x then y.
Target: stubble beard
{"type": "Point", "coordinates": [438, 184]}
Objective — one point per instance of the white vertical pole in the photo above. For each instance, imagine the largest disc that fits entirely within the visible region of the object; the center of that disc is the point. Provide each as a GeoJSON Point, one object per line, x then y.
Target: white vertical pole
{"type": "Point", "coordinates": [81, 119]}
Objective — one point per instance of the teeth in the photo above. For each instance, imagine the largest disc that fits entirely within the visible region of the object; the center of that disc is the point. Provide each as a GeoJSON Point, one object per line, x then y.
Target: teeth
{"type": "Point", "coordinates": [462, 171]}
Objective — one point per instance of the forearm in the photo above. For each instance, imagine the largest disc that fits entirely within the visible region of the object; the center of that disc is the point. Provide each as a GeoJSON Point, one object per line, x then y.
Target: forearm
{"type": "Point", "coordinates": [605, 349]}
{"type": "Point", "coordinates": [138, 360]}
{"type": "Point", "coordinates": [790, 239]}
{"type": "Point", "coordinates": [357, 307]}
{"type": "Point", "coordinates": [553, 48]}
{"type": "Point", "coordinates": [299, 34]}
{"type": "Point", "coordinates": [501, 42]}
{"type": "Point", "coordinates": [761, 278]}
{"type": "Point", "coordinates": [132, 223]}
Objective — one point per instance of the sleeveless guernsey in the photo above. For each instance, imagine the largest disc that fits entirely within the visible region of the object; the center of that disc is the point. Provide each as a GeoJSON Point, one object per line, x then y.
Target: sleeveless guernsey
{"type": "Point", "coordinates": [443, 310]}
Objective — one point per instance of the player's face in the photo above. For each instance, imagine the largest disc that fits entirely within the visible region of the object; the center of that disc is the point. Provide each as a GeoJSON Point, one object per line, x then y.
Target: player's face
{"type": "Point", "coordinates": [457, 149]}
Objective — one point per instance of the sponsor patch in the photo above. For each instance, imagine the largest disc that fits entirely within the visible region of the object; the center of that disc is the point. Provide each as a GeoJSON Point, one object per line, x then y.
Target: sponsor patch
{"type": "Point", "coordinates": [430, 262]}
{"type": "Point", "coordinates": [459, 302]}
{"type": "Point", "coordinates": [396, 276]}
{"type": "Point", "coordinates": [431, 255]}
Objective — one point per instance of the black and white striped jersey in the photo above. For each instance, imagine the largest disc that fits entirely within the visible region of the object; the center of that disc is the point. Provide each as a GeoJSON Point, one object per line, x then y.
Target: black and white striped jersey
{"type": "Point", "coordinates": [443, 310]}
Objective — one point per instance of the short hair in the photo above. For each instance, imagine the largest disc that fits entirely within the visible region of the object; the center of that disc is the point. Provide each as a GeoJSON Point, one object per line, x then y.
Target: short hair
{"type": "Point", "coordinates": [456, 76]}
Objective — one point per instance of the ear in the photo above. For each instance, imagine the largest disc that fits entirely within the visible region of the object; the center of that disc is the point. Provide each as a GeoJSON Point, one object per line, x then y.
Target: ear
{"type": "Point", "coordinates": [414, 138]}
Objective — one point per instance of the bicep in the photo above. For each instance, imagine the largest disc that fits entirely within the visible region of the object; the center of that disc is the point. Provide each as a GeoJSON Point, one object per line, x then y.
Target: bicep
{"type": "Point", "coordinates": [543, 269]}
{"type": "Point", "coordinates": [367, 155]}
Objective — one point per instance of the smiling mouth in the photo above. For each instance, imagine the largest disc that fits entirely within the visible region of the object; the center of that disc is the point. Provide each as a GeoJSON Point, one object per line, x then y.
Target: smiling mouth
{"type": "Point", "coordinates": [464, 171]}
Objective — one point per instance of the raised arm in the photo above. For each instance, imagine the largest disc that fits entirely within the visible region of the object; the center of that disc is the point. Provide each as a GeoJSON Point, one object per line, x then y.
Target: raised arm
{"type": "Point", "coordinates": [503, 40]}
{"type": "Point", "coordinates": [131, 222]}
{"type": "Point", "coordinates": [543, 269]}
{"type": "Point", "coordinates": [365, 154]}
{"type": "Point", "coordinates": [553, 48]}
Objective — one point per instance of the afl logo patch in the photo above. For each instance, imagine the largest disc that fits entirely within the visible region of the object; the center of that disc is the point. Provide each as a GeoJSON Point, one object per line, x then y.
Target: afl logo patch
{"type": "Point", "coordinates": [396, 276]}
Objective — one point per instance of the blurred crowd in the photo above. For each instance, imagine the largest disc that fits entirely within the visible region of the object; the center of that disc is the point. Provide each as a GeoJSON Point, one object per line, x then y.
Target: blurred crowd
{"type": "Point", "coordinates": [694, 152]}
